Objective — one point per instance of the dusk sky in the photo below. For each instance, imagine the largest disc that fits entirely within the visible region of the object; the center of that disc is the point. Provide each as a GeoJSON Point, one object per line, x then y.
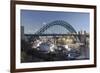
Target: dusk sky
{"type": "Point", "coordinates": [33, 20]}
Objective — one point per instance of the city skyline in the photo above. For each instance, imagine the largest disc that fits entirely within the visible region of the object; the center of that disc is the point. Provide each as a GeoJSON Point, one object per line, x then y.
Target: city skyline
{"type": "Point", "coordinates": [33, 20]}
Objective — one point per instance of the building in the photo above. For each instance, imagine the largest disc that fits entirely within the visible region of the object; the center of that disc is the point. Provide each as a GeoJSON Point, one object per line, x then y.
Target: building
{"type": "Point", "coordinates": [22, 33]}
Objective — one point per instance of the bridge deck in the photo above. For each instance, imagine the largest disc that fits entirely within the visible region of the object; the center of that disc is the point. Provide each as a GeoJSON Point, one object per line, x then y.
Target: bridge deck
{"type": "Point", "coordinates": [55, 35]}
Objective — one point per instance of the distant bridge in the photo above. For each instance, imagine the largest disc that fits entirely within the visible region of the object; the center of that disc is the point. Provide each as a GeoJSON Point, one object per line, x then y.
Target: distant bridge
{"type": "Point", "coordinates": [72, 31]}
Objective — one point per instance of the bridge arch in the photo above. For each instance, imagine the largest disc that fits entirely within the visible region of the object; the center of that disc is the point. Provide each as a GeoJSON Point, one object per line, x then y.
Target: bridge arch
{"type": "Point", "coordinates": [57, 22]}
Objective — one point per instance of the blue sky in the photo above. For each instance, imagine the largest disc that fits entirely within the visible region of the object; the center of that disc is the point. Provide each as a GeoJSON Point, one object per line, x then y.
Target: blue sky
{"type": "Point", "coordinates": [33, 20]}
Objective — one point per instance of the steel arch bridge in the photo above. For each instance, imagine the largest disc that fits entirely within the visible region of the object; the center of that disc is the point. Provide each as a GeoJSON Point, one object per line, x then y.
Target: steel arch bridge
{"type": "Point", "coordinates": [57, 22]}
